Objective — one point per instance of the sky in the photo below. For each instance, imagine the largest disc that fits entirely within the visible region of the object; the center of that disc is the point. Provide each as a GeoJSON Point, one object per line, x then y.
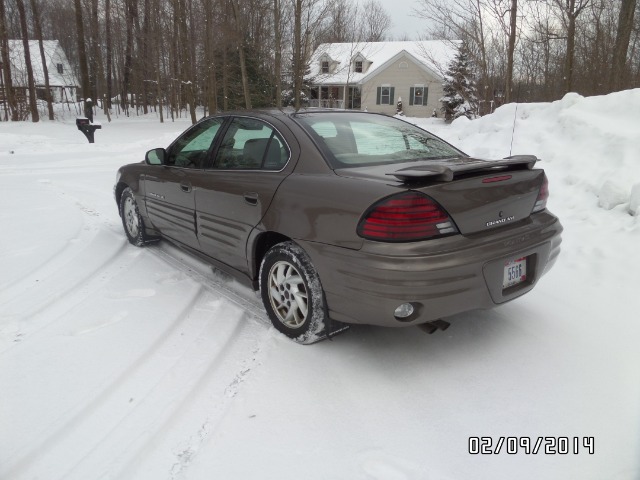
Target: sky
{"type": "Point", "coordinates": [403, 20]}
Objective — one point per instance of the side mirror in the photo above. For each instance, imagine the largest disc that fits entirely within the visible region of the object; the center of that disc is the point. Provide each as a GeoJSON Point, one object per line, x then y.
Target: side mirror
{"type": "Point", "coordinates": [157, 156]}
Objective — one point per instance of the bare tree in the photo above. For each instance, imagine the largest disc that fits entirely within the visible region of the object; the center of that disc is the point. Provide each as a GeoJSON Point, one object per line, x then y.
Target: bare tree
{"type": "Point", "coordinates": [239, 30]}
{"type": "Point", "coordinates": [10, 99]}
{"type": "Point", "coordinates": [298, 59]}
{"type": "Point", "coordinates": [623, 37]}
{"type": "Point", "coordinates": [33, 105]}
{"type": "Point", "coordinates": [510, 51]}
{"type": "Point", "coordinates": [277, 16]}
{"type": "Point", "coordinates": [570, 10]}
{"type": "Point", "coordinates": [45, 70]}
{"type": "Point", "coordinates": [461, 20]}
{"type": "Point", "coordinates": [376, 22]}
{"type": "Point", "coordinates": [82, 51]}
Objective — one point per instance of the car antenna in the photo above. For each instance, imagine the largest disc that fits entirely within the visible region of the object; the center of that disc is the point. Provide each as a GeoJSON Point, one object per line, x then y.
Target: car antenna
{"type": "Point", "coordinates": [515, 115]}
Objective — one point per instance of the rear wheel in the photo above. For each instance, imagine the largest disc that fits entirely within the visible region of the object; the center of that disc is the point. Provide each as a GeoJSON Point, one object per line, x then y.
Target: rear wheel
{"type": "Point", "coordinates": [291, 292]}
{"type": "Point", "coordinates": [131, 219]}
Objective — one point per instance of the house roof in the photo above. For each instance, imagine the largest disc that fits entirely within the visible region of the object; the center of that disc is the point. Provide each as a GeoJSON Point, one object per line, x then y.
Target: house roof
{"type": "Point", "coordinates": [52, 52]}
{"type": "Point", "coordinates": [432, 55]}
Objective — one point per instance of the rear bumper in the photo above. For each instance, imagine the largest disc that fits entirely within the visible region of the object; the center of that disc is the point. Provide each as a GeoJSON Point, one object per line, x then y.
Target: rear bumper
{"type": "Point", "coordinates": [439, 277]}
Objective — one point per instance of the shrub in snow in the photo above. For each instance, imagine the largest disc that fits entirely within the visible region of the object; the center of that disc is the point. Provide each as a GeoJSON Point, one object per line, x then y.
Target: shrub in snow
{"type": "Point", "coordinates": [611, 195]}
{"type": "Point", "coordinates": [459, 88]}
{"type": "Point", "coordinates": [634, 203]}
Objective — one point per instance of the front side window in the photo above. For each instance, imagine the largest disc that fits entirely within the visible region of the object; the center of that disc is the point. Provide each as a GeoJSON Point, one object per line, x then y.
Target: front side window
{"type": "Point", "coordinates": [250, 144]}
{"type": "Point", "coordinates": [418, 95]}
{"type": "Point", "coordinates": [358, 67]}
{"type": "Point", "coordinates": [325, 66]}
{"type": "Point", "coordinates": [191, 150]}
{"type": "Point", "coordinates": [360, 139]}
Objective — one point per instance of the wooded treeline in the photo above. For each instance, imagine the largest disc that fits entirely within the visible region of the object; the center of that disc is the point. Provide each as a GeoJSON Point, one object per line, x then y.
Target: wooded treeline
{"type": "Point", "coordinates": [220, 54]}
{"type": "Point", "coordinates": [538, 50]}
{"type": "Point", "coordinates": [174, 55]}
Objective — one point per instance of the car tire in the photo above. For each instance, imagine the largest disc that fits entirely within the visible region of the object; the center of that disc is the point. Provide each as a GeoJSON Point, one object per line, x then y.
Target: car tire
{"type": "Point", "coordinates": [292, 293]}
{"type": "Point", "coordinates": [131, 219]}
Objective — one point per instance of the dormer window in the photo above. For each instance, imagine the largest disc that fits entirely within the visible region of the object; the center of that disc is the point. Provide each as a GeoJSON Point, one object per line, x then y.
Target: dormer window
{"type": "Point", "coordinates": [324, 66]}
{"type": "Point", "coordinates": [358, 66]}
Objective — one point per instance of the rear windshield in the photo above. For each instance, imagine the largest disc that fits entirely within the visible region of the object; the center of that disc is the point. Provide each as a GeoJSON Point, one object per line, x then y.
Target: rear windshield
{"type": "Point", "coordinates": [361, 139]}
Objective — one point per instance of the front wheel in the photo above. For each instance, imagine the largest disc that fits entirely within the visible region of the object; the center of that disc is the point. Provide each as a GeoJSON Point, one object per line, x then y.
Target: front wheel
{"type": "Point", "coordinates": [291, 292]}
{"type": "Point", "coordinates": [131, 219]}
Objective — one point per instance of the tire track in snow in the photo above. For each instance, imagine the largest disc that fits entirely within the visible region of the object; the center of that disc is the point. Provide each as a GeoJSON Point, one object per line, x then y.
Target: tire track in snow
{"type": "Point", "coordinates": [65, 290]}
{"type": "Point", "coordinates": [210, 382]}
{"type": "Point", "coordinates": [57, 276]}
{"type": "Point", "coordinates": [54, 440]}
{"type": "Point", "coordinates": [251, 303]}
{"type": "Point", "coordinates": [58, 435]}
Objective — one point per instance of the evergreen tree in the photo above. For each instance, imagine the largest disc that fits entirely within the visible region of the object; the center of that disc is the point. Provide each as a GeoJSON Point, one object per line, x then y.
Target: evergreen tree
{"type": "Point", "coordinates": [459, 88]}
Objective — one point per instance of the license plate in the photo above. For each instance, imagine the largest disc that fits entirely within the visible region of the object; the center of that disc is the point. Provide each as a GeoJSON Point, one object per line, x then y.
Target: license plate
{"type": "Point", "coordinates": [515, 272]}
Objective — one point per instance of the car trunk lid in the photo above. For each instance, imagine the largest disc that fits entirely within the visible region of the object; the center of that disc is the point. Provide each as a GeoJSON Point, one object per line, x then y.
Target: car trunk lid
{"type": "Point", "coordinates": [478, 194]}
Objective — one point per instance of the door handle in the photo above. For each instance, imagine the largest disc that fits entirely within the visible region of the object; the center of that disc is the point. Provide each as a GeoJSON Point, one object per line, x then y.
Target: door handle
{"type": "Point", "coordinates": [185, 187]}
{"type": "Point", "coordinates": [251, 198]}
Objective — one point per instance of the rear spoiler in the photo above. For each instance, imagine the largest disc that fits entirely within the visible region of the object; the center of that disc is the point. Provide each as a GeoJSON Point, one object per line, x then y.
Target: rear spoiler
{"type": "Point", "coordinates": [447, 171]}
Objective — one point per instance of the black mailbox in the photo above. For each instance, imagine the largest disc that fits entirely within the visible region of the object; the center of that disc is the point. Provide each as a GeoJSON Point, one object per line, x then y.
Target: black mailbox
{"type": "Point", "coordinates": [86, 127]}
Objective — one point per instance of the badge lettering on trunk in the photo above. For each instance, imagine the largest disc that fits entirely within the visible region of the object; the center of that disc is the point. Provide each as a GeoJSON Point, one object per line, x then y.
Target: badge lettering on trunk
{"type": "Point", "coordinates": [500, 221]}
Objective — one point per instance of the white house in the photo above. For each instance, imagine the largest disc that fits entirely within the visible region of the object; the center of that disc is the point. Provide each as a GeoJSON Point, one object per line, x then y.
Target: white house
{"type": "Point", "coordinates": [62, 80]}
{"type": "Point", "coordinates": [375, 75]}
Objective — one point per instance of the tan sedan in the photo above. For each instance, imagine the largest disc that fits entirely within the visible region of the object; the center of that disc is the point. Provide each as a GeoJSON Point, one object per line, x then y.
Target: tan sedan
{"type": "Point", "coordinates": [345, 217]}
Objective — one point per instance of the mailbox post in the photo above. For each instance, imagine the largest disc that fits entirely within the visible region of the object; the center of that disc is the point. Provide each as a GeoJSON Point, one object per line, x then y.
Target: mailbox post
{"type": "Point", "coordinates": [88, 128]}
{"type": "Point", "coordinates": [88, 109]}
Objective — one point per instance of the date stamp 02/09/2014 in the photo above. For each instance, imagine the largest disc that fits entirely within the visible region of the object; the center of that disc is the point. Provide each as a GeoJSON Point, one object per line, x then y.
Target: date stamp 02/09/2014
{"type": "Point", "coordinates": [531, 445]}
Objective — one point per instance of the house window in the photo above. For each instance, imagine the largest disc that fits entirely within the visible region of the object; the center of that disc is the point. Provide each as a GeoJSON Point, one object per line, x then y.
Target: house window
{"type": "Point", "coordinates": [325, 66]}
{"type": "Point", "coordinates": [60, 68]}
{"type": "Point", "coordinates": [385, 95]}
{"type": "Point", "coordinates": [418, 95]}
{"type": "Point", "coordinates": [359, 67]}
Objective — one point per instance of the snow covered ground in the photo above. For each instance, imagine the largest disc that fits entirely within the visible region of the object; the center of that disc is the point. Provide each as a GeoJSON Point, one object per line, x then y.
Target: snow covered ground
{"type": "Point", "coordinates": [124, 363]}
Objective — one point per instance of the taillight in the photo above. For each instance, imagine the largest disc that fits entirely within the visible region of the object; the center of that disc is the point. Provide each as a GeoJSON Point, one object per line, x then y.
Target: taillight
{"type": "Point", "coordinates": [405, 217]}
{"type": "Point", "coordinates": [541, 201]}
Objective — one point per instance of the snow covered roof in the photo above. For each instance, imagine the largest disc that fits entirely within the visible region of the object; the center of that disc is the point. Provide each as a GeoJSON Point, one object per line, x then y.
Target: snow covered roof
{"type": "Point", "coordinates": [433, 55]}
{"type": "Point", "coordinates": [54, 55]}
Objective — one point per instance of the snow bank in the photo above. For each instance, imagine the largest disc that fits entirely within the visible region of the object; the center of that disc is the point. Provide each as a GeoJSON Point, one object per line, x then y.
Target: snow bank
{"type": "Point", "coordinates": [634, 204]}
{"type": "Point", "coordinates": [591, 143]}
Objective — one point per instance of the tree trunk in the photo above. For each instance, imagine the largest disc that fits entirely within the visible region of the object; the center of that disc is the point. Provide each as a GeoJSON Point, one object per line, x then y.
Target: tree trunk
{"type": "Point", "coordinates": [126, 75]}
{"type": "Point", "coordinates": [243, 64]}
{"type": "Point", "coordinates": [33, 104]}
{"type": "Point", "coordinates": [225, 79]}
{"type": "Point", "coordinates": [10, 98]}
{"type": "Point", "coordinates": [209, 57]}
{"type": "Point", "coordinates": [146, 26]}
{"type": "Point", "coordinates": [511, 49]}
{"type": "Point", "coordinates": [623, 36]}
{"type": "Point", "coordinates": [107, 35]}
{"type": "Point", "coordinates": [96, 68]}
{"type": "Point", "coordinates": [278, 52]}
{"type": "Point", "coordinates": [571, 46]}
{"type": "Point", "coordinates": [82, 52]}
{"type": "Point", "coordinates": [45, 70]}
{"type": "Point", "coordinates": [297, 55]}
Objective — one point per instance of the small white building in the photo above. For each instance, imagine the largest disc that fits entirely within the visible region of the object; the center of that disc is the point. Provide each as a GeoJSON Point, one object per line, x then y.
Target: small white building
{"type": "Point", "coordinates": [375, 75]}
{"type": "Point", "coordinates": [62, 80]}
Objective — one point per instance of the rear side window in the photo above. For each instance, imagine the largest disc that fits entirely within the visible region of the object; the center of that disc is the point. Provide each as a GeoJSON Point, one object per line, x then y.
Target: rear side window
{"type": "Point", "coordinates": [250, 144]}
{"type": "Point", "coordinates": [360, 139]}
